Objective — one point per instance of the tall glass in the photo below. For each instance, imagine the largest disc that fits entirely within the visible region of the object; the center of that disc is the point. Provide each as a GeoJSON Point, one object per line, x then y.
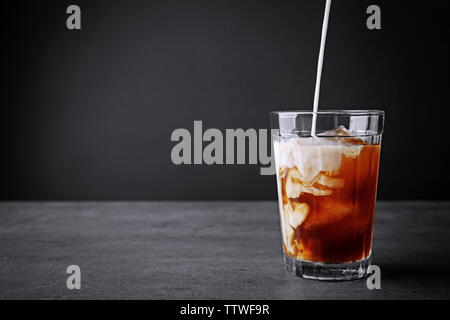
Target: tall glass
{"type": "Point", "coordinates": [327, 184]}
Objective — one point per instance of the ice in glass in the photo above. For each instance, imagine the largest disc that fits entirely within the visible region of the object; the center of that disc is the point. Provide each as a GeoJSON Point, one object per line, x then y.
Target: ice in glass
{"type": "Point", "coordinates": [327, 192]}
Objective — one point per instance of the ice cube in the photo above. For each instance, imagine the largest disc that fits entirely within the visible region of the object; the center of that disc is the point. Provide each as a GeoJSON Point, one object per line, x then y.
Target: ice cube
{"type": "Point", "coordinates": [330, 182]}
{"type": "Point", "coordinates": [332, 212]}
{"type": "Point", "coordinates": [293, 187]}
{"type": "Point", "coordinates": [340, 131]}
{"type": "Point", "coordinates": [342, 136]}
{"type": "Point", "coordinates": [296, 213]}
{"type": "Point", "coordinates": [295, 184]}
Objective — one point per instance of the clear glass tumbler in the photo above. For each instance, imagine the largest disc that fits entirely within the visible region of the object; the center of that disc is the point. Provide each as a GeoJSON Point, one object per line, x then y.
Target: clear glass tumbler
{"type": "Point", "coordinates": [327, 184]}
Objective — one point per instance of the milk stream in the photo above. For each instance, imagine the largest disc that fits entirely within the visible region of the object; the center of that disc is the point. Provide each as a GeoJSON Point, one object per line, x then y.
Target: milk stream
{"type": "Point", "coordinates": [319, 66]}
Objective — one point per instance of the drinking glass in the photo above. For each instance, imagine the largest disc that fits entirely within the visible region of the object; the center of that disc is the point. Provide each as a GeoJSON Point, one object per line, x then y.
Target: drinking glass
{"type": "Point", "coordinates": [327, 184]}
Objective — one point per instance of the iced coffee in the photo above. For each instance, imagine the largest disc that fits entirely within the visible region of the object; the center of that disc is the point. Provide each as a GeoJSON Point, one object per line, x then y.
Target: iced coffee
{"type": "Point", "coordinates": [327, 192]}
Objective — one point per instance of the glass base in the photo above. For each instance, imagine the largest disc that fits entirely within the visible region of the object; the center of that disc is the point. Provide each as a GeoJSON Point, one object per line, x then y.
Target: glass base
{"type": "Point", "coordinates": [327, 271]}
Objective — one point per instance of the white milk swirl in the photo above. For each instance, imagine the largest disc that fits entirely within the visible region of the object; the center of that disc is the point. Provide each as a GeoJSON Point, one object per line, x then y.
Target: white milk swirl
{"type": "Point", "coordinates": [320, 65]}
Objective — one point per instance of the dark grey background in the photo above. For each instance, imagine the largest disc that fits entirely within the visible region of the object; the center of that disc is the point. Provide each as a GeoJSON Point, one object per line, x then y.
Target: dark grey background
{"type": "Point", "coordinates": [88, 114]}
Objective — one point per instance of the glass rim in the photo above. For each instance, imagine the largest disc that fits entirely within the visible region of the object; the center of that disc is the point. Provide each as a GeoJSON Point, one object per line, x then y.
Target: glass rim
{"type": "Point", "coordinates": [368, 112]}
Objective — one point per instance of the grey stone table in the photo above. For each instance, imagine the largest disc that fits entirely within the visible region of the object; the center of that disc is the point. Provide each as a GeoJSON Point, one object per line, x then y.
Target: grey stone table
{"type": "Point", "coordinates": [204, 250]}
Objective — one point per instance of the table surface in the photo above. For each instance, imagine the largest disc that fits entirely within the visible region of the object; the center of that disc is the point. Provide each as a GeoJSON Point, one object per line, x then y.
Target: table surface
{"type": "Point", "coordinates": [204, 250]}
